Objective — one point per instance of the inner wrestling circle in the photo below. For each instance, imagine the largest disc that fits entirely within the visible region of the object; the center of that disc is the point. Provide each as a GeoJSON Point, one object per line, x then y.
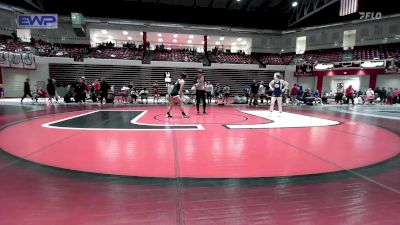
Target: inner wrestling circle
{"type": "Point", "coordinates": [211, 118]}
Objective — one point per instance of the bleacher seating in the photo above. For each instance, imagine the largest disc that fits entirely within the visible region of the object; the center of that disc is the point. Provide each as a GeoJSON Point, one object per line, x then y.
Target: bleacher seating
{"type": "Point", "coordinates": [12, 44]}
{"type": "Point", "coordinates": [384, 51]}
{"type": "Point", "coordinates": [9, 44]}
{"type": "Point", "coordinates": [177, 55]}
{"type": "Point", "coordinates": [232, 58]}
{"type": "Point", "coordinates": [116, 53]}
{"type": "Point", "coordinates": [324, 55]}
{"type": "Point", "coordinates": [49, 50]}
{"type": "Point", "coordinates": [274, 59]}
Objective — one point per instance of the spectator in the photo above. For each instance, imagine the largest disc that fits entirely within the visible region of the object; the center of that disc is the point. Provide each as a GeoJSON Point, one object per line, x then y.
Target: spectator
{"type": "Point", "coordinates": [104, 87]}
{"type": "Point", "coordinates": [293, 94]}
{"type": "Point", "coordinates": [51, 90]}
{"type": "Point", "coordinates": [261, 91]}
{"type": "Point", "coordinates": [389, 96]}
{"type": "Point", "coordinates": [41, 93]}
{"type": "Point", "coordinates": [227, 92]}
{"type": "Point", "coordinates": [1, 91]}
{"type": "Point", "coordinates": [156, 92]}
{"type": "Point", "coordinates": [350, 95]}
{"type": "Point", "coordinates": [144, 95]}
{"type": "Point", "coordinates": [27, 90]}
{"type": "Point", "coordinates": [68, 95]}
{"type": "Point", "coordinates": [209, 91]}
{"type": "Point", "coordinates": [254, 93]}
{"type": "Point", "coordinates": [124, 94]}
{"type": "Point", "coordinates": [339, 95]}
{"type": "Point", "coordinates": [383, 95]}
{"type": "Point", "coordinates": [134, 95]}
{"type": "Point", "coordinates": [370, 95]}
{"type": "Point", "coordinates": [80, 96]}
{"type": "Point", "coordinates": [96, 87]}
{"type": "Point", "coordinates": [200, 91]}
{"type": "Point", "coordinates": [110, 95]}
{"type": "Point", "coordinates": [396, 96]}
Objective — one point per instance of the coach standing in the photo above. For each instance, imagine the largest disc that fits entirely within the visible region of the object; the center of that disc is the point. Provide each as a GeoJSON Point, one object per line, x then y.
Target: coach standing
{"type": "Point", "coordinates": [200, 91]}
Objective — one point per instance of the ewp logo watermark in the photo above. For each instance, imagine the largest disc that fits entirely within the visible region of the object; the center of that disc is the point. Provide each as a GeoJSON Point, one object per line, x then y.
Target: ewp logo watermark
{"type": "Point", "coordinates": [38, 21]}
{"type": "Point", "coordinates": [370, 15]}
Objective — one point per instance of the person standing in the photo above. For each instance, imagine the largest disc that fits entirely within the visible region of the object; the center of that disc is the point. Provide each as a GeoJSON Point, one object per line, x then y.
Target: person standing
{"type": "Point", "coordinates": [350, 95]}
{"type": "Point", "coordinates": [1, 91]}
{"type": "Point", "coordinates": [177, 95]}
{"type": "Point", "coordinates": [96, 87]}
{"type": "Point", "coordinates": [254, 93]}
{"type": "Point", "coordinates": [104, 87]}
{"type": "Point", "coordinates": [383, 94]}
{"type": "Point", "coordinates": [51, 90]}
{"type": "Point", "coordinates": [156, 92]}
{"type": "Point", "coordinates": [370, 95]}
{"type": "Point", "coordinates": [27, 90]}
{"type": "Point", "coordinates": [80, 91]}
{"type": "Point", "coordinates": [396, 96]}
{"type": "Point", "coordinates": [278, 87]}
{"type": "Point", "coordinates": [200, 92]}
{"type": "Point", "coordinates": [339, 95]}
{"type": "Point", "coordinates": [389, 96]}
{"type": "Point", "coordinates": [293, 94]}
{"type": "Point", "coordinates": [227, 93]}
{"type": "Point", "coordinates": [209, 91]}
{"type": "Point", "coordinates": [261, 91]}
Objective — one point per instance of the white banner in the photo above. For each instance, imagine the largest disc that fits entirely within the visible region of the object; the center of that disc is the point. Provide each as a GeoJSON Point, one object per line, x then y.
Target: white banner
{"type": "Point", "coordinates": [4, 61]}
{"type": "Point", "coordinates": [28, 60]}
{"type": "Point", "coordinates": [15, 60]}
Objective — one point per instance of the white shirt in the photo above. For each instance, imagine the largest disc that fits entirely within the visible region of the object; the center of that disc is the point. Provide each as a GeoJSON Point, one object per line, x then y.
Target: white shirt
{"type": "Point", "coordinates": [261, 89]}
{"type": "Point", "coordinates": [209, 88]}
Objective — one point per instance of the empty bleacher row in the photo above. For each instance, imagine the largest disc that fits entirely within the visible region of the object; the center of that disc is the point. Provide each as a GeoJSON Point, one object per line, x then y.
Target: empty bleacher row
{"type": "Point", "coordinates": [231, 58]}
{"type": "Point", "coordinates": [274, 59]}
{"type": "Point", "coordinates": [177, 55]}
{"type": "Point", "coordinates": [384, 51]}
{"type": "Point", "coordinates": [325, 55]}
{"type": "Point", "coordinates": [145, 76]}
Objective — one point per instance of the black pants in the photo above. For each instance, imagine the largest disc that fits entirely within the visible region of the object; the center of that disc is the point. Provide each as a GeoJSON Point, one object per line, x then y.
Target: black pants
{"type": "Point", "coordinates": [25, 94]}
{"type": "Point", "coordinates": [201, 94]}
{"type": "Point", "coordinates": [348, 99]}
{"type": "Point", "coordinates": [262, 96]}
{"type": "Point", "coordinates": [209, 97]}
{"type": "Point", "coordinates": [103, 96]}
{"type": "Point", "coordinates": [395, 99]}
{"type": "Point", "coordinates": [339, 98]}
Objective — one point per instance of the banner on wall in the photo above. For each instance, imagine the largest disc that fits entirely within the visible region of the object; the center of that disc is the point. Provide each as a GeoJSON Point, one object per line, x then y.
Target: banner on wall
{"type": "Point", "coordinates": [304, 70]}
{"type": "Point", "coordinates": [28, 61]}
{"type": "Point", "coordinates": [15, 60]}
{"type": "Point", "coordinates": [392, 66]}
{"type": "Point", "coordinates": [4, 61]}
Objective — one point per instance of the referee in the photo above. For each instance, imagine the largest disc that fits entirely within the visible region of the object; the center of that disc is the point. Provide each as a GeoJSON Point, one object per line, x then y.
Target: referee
{"type": "Point", "coordinates": [200, 91]}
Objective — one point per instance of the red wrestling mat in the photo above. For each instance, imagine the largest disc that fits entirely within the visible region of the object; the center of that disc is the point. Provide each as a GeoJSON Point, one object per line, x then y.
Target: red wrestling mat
{"type": "Point", "coordinates": [142, 142]}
